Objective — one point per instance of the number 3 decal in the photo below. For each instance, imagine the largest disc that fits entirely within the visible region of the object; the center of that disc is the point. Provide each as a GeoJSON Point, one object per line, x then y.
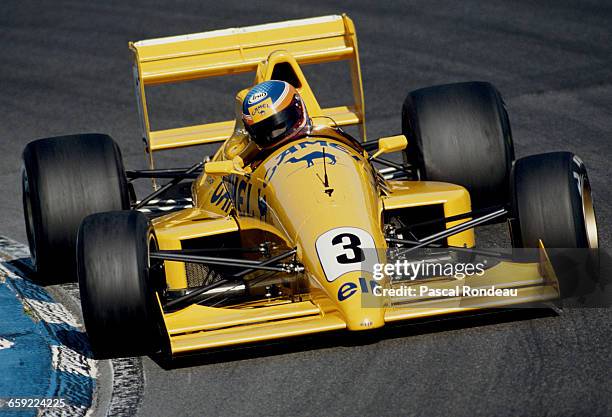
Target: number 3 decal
{"type": "Point", "coordinates": [346, 249]}
{"type": "Point", "coordinates": [351, 247]}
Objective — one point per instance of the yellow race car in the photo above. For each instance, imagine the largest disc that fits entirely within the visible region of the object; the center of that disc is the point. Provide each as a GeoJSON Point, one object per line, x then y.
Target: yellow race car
{"type": "Point", "coordinates": [309, 235]}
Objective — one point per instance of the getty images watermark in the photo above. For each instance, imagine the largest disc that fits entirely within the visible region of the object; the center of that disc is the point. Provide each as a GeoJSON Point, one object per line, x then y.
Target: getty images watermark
{"type": "Point", "coordinates": [403, 270]}
{"type": "Point", "coordinates": [496, 277]}
{"type": "Point", "coordinates": [412, 270]}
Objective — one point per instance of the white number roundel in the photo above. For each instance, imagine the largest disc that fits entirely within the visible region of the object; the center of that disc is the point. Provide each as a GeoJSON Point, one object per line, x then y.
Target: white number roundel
{"type": "Point", "coordinates": [346, 249]}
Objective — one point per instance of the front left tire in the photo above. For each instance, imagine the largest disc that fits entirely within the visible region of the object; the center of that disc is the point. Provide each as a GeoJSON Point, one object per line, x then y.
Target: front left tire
{"type": "Point", "coordinates": [552, 203]}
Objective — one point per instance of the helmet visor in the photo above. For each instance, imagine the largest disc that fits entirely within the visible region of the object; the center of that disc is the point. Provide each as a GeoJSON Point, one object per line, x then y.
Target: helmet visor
{"type": "Point", "coordinates": [278, 126]}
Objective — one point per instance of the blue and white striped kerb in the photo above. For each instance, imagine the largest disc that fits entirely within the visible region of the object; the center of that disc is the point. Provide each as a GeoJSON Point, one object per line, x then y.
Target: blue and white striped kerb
{"type": "Point", "coordinates": [43, 351]}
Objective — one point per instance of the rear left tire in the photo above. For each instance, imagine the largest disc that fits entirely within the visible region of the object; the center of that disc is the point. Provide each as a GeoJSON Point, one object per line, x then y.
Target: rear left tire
{"type": "Point", "coordinates": [460, 133]}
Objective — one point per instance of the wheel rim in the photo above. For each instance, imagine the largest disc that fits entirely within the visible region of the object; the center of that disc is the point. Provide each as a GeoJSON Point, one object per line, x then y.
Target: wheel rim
{"type": "Point", "coordinates": [590, 223]}
{"type": "Point", "coordinates": [27, 208]}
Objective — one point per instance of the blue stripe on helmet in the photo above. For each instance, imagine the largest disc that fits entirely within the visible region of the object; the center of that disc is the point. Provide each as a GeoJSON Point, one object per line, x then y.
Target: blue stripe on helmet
{"type": "Point", "coordinates": [272, 89]}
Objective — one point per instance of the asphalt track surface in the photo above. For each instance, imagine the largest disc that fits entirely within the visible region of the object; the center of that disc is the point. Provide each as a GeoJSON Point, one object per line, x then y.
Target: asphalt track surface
{"type": "Point", "coordinates": [65, 68]}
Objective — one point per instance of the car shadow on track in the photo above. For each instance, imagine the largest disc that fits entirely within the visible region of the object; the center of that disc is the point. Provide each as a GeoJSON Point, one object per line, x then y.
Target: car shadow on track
{"type": "Point", "coordinates": [348, 339]}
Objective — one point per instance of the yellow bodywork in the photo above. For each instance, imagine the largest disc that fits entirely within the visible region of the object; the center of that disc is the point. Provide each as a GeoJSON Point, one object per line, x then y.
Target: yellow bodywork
{"type": "Point", "coordinates": [281, 196]}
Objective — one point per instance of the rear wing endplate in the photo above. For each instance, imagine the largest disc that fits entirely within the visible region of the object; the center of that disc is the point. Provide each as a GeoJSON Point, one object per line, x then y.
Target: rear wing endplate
{"type": "Point", "coordinates": [239, 50]}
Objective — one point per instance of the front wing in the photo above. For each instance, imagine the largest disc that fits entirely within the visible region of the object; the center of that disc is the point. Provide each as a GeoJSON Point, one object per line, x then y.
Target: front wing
{"type": "Point", "coordinates": [200, 327]}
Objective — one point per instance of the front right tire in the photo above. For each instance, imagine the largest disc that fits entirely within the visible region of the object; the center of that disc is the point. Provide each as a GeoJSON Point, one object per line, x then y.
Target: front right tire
{"type": "Point", "coordinates": [118, 284]}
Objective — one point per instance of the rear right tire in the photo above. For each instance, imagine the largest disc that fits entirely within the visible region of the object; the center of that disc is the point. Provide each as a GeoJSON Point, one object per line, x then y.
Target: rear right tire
{"type": "Point", "coordinates": [64, 180]}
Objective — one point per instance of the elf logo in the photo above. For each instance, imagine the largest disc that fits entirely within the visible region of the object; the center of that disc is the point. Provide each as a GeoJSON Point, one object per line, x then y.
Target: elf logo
{"type": "Point", "coordinates": [347, 289]}
{"type": "Point", "coordinates": [257, 97]}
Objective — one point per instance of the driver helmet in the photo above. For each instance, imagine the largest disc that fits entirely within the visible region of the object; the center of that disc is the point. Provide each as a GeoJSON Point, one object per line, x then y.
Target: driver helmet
{"type": "Point", "coordinates": [273, 111]}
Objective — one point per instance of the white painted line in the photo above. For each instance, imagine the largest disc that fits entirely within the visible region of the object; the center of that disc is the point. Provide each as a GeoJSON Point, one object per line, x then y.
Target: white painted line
{"type": "Point", "coordinates": [67, 360]}
{"type": "Point", "coordinates": [13, 249]}
{"type": "Point", "coordinates": [67, 410]}
{"type": "Point", "coordinates": [5, 344]}
{"type": "Point", "coordinates": [53, 313]}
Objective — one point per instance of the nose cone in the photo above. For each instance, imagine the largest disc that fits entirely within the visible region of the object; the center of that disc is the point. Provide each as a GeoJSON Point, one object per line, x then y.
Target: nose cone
{"type": "Point", "coordinates": [360, 300]}
{"type": "Point", "coordinates": [324, 197]}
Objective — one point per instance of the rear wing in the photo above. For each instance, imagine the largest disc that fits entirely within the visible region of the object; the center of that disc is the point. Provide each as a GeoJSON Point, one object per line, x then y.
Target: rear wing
{"type": "Point", "coordinates": [239, 50]}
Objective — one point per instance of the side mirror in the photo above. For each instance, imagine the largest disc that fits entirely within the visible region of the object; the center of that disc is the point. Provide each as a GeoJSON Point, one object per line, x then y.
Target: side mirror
{"type": "Point", "coordinates": [390, 144]}
{"type": "Point", "coordinates": [222, 168]}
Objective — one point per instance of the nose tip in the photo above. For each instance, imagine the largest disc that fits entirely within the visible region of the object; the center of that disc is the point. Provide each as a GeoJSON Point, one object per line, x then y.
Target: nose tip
{"type": "Point", "coordinates": [362, 305]}
{"type": "Point", "coordinates": [366, 319]}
